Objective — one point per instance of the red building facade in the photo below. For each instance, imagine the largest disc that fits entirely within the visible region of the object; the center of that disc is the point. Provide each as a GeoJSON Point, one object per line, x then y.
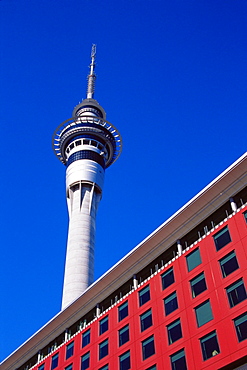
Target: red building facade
{"type": "Point", "coordinates": [185, 308]}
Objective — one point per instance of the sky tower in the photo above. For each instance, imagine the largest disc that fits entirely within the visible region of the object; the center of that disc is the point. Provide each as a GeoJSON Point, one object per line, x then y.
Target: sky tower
{"type": "Point", "coordinates": [86, 144]}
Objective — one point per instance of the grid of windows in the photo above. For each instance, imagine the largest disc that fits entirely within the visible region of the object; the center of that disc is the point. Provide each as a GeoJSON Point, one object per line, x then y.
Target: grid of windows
{"type": "Point", "coordinates": [144, 295]}
{"type": "Point", "coordinates": [103, 325]}
{"type": "Point", "coordinates": [171, 303]}
{"type": "Point", "coordinates": [167, 278]}
{"type": "Point", "coordinates": [178, 360]}
{"type": "Point", "coordinates": [209, 345]}
{"type": "Point", "coordinates": [198, 285]}
{"type": "Point", "coordinates": [124, 361]}
{"type": "Point", "coordinates": [236, 293]}
{"type": "Point", "coordinates": [69, 350]}
{"type": "Point", "coordinates": [241, 326]}
{"type": "Point", "coordinates": [85, 338]}
{"type": "Point", "coordinates": [54, 361]}
{"type": "Point", "coordinates": [148, 347]}
{"type": "Point", "coordinates": [103, 349]}
{"type": "Point", "coordinates": [193, 259]}
{"type": "Point", "coordinates": [222, 238]}
{"type": "Point", "coordinates": [203, 313]}
{"type": "Point", "coordinates": [123, 335]}
{"type": "Point", "coordinates": [229, 264]}
{"type": "Point", "coordinates": [146, 320]}
{"type": "Point", "coordinates": [123, 311]}
{"type": "Point", "coordinates": [85, 361]}
{"type": "Point", "coordinates": [174, 331]}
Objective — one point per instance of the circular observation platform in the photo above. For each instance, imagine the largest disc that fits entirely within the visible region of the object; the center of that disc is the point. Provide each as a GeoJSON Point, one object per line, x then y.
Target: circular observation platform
{"type": "Point", "coordinates": [91, 127]}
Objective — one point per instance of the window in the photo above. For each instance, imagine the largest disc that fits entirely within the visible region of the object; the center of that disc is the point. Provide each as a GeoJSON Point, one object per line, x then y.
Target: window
{"type": "Point", "coordinates": [85, 338]}
{"type": "Point", "coordinates": [54, 361]}
{"type": "Point", "coordinates": [69, 350]}
{"type": "Point", "coordinates": [105, 367]}
{"type": "Point", "coordinates": [245, 216]}
{"type": "Point", "coordinates": [152, 368]}
{"type": "Point", "coordinates": [124, 361]}
{"type": "Point", "coordinates": [148, 347]}
{"type": "Point", "coordinates": [70, 367]}
{"type": "Point", "coordinates": [123, 335]}
{"type": "Point", "coordinates": [203, 313]}
{"type": "Point", "coordinates": [146, 320]}
{"type": "Point", "coordinates": [198, 285]}
{"type": "Point", "coordinates": [174, 331]}
{"type": "Point", "coordinates": [167, 278]}
{"type": "Point", "coordinates": [229, 264]}
{"type": "Point", "coordinates": [236, 293]}
{"type": "Point", "coordinates": [178, 360]}
{"type": "Point", "coordinates": [222, 238]}
{"type": "Point", "coordinates": [209, 345]}
{"type": "Point", "coordinates": [171, 303]}
{"type": "Point", "coordinates": [144, 295]}
{"type": "Point", "coordinates": [103, 349]}
{"type": "Point", "coordinates": [103, 325]}
{"type": "Point", "coordinates": [193, 259]}
{"type": "Point", "coordinates": [123, 311]}
{"type": "Point", "coordinates": [41, 367]}
{"type": "Point", "coordinates": [85, 361]}
{"type": "Point", "coordinates": [241, 327]}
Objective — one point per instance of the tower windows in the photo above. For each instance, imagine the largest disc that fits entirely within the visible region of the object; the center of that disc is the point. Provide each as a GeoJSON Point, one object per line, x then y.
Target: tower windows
{"type": "Point", "coordinates": [229, 264]}
{"type": "Point", "coordinates": [85, 338]}
{"type": "Point", "coordinates": [171, 303]}
{"type": "Point", "coordinates": [167, 278]}
{"type": "Point", "coordinates": [198, 285]}
{"type": "Point", "coordinates": [123, 311]}
{"type": "Point", "coordinates": [241, 326]}
{"type": "Point", "coordinates": [69, 350]}
{"type": "Point", "coordinates": [144, 295]}
{"type": "Point", "coordinates": [209, 345]}
{"type": "Point", "coordinates": [146, 320]}
{"type": "Point", "coordinates": [103, 349]}
{"type": "Point", "coordinates": [174, 331]}
{"type": "Point", "coordinates": [178, 360]}
{"type": "Point", "coordinates": [193, 259]}
{"type": "Point", "coordinates": [124, 361]}
{"type": "Point", "coordinates": [222, 238]}
{"type": "Point", "coordinates": [103, 325]}
{"type": "Point", "coordinates": [85, 361]}
{"type": "Point", "coordinates": [236, 293]}
{"type": "Point", "coordinates": [203, 313]}
{"type": "Point", "coordinates": [148, 347]}
{"type": "Point", "coordinates": [54, 361]}
{"type": "Point", "coordinates": [123, 335]}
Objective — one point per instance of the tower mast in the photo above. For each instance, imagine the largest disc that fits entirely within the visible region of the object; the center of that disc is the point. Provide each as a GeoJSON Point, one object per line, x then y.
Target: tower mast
{"type": "Point", "coordinates": [86, 144]}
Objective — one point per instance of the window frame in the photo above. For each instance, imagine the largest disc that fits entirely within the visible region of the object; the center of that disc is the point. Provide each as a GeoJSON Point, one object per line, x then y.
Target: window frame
{"type": "Point", "coordinates": [103, 322]}
{"type": "Point", "coordinates": [173, 325]}
{"type": "Point", "coordinates": [167, 303]}
{"type": "Point", "coordinates": [84, 358]}
{"type": "Point", "coordinates": [147, 345]}
{"type": "Point", "coordinates": [125, 328]}
{"type": "Point", "coordinates": [218, 235]}
{"type": "Point", "coordinates": [70, 349]}
{"type": "Point", "coordinates": [86, 334]}
{"type": "Point", "coordinates": [165, 284]}
{"type": "Point", "coordinates": [239, 320]}
{"type": "Point", "coordinates": [192, 259]}
{"type": "Point", "coordinates": [121, 308]}
{"type": "Point", "coordinates": [104, 348]}
{"type": "Point", "coordinates": [195, 281]}
{"type": "Point", "coordinates": [178, 356]}
{"type": "Point", "coordinates": [203, 317]}
{"type": "Point", "coordinates": [143, 318]}
{"type": "Point", "coordinates": [69, 367]}
{"type": "Point", "coordinates": [144, 292]}
{"type": "Point", "coordinates": [55, 357]}
{"type": "Point", "coordinates": [224, 260]}
{"type": "Point", "coordinates": [122, 358]}
{"type": "Point", "coordinates": [234, 288]}
{"type": "Point", "coordinates": [204, 340]}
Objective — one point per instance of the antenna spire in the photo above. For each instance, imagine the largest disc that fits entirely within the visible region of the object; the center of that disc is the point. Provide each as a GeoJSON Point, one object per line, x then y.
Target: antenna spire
{"type": "Point", "coordinates": [91, 77]}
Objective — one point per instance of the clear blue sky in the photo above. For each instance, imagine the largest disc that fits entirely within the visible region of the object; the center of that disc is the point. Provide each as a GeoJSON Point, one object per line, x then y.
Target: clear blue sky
{"type": "Point", "coordinates": [172, 78]}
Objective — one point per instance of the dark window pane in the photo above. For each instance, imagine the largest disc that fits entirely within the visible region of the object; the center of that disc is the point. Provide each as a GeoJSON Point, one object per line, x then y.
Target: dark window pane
{"type": "Point", "coordinates": [171, 303]}
{"type": "Point", "coordinates": [105, 367]}
{"type": "Point", "coordinates": [144, 295]}
{"type": "Point", "coordinates": [198, 285]}
{"type": "Point", "coordinates": [193, 259]}
{"type": "Point", "coordinates": [123, 335]}
{"type": "Point", "coordinates": [152, 368]}
{"type": "Point", "coordinates": [54, 362]}
{"type": "Point", "coordinates": [178, 361]}
{"type": "Point", "coordinates": [86, 338]}
{"type": "Point", "coordinates": [85, 361]}
{"type": "Point", "coordinates": [241, 326]}
{"type": "Point", "coordinates": [103, 325]}
{"type": "Point", "coordinates": [167, 278]}
{"type": "Point", "coordinates": [69, 350]}
{"type": "Point", "coordinates": [209, 345]}
{"type": "Point", "coordinates": [103, 349]}
{"type": "Point", "coordinates": [222, 238]}
{"type": "Point", "coordinates": [229, 264]}
{"type": "Point", "coordinates": [123, 311]}
{"type": "Point", "coordinates": [236, 293]}
{"type": "Point", "coordinates": [148, 347]}
{"type": "Point", "coordinates": [124, 361]}
{"type": "Point", "coordinates": [174, 331]}
{"type": "Point", "coordinates": [70, 367]}
{"type": "Point", "coordinates": [146, 320]}
{"type": "Point", "coordinates": [203, 313]}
